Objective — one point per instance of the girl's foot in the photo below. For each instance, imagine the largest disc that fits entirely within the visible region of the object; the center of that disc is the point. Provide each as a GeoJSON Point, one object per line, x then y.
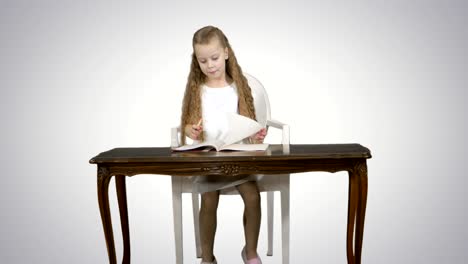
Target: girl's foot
{"type": "Point", "coordinates": [255, 260]}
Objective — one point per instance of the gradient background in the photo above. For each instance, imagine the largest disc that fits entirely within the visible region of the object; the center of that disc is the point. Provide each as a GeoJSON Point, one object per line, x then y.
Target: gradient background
{"type": "Point", "coordinates": [82, 77]}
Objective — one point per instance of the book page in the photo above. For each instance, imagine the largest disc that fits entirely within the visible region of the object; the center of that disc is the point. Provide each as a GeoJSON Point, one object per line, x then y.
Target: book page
{"type": "Point", "coordinates": [239, 127]}
{"type": "Point", "coordinates": [212, 144]}
{"type": "Point", "coordinates": [246, 147]}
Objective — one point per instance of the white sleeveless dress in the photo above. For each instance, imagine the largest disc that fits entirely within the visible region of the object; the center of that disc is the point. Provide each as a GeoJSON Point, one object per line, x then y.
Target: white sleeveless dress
{"type": "Point", "coordinates": [216, 102]}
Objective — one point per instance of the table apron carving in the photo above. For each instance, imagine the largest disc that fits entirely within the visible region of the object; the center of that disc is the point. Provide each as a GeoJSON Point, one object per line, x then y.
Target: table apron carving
{"type": "Point", "coordinates": [230, 168]}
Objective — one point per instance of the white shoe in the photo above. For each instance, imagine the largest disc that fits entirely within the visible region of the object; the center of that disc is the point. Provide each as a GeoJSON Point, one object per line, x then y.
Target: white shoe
{"type": "Point", "coordinates": [256, 260]}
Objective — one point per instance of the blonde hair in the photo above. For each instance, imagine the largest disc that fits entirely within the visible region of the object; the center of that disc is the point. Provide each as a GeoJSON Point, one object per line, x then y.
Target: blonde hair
{"type": "Point", "coordinates": [191, 104]}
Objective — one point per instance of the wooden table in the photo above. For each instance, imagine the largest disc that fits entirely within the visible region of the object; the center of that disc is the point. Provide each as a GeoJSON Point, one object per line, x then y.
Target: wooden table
{"type": "Point", "coordinates": [278, 159]}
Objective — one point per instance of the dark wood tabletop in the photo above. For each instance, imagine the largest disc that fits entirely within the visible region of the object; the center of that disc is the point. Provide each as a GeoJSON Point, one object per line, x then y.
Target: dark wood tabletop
{"type": "Point", "coordinates": [274, 152]}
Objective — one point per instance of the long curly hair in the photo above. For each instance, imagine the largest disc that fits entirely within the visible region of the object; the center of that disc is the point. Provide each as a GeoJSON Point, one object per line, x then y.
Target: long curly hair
{"type": "Point", "coordinates": [191, 105]}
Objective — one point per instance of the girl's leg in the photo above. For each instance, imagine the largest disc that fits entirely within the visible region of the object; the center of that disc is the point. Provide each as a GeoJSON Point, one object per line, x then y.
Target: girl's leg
{"type": "Point", "coordinates": [209, 206]}
{"type": "Point", "coordinates": [252, 216]}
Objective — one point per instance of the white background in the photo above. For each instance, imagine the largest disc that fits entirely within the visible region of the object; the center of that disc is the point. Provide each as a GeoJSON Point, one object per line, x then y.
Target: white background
{"type": "Point", "coordinates": [82, 77]}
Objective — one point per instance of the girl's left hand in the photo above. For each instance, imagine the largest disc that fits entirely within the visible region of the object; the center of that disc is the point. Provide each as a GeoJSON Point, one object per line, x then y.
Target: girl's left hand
{"type": "Point", "coordinates": [260, 135]}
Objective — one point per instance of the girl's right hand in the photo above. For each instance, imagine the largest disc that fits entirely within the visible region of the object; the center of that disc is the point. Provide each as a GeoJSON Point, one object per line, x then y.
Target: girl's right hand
{"type": "Point", "coordinates": [194, 131]}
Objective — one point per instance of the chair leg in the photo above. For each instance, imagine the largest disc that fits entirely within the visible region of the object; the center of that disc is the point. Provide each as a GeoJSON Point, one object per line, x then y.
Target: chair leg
{"type": "Point", "coordinates": [270, 213]}
{"type": "Point", "coordinates": [196, 222]}
{"type": "Point", "coordinates": [285, 223]}
{"type": "Point", "coordinates": [177, 213]}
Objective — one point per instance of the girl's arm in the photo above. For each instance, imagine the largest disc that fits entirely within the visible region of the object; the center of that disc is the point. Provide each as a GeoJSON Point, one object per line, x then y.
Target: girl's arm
{"type": "Point", "coordinates": [258, 137]}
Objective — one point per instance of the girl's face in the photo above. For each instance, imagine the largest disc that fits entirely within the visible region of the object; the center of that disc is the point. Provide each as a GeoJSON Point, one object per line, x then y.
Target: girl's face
{"type": "Point", "coordinates": [212, 59]}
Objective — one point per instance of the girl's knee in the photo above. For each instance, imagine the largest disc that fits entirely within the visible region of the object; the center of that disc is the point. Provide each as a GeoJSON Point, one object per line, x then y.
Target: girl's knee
{"type": "Point", "coordinates": [252, 198]}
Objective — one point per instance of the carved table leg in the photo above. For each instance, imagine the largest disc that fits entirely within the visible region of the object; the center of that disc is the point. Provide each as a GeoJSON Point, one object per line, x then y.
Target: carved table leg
{"type": "Point", "coordinates": [103, 179]}
{"type": "Point", "coordinates": [361, 170]}
{"type": "Point", "coordinates": [122, 199]}
{"type": "Point", "coordinates": [356, 211]}
{"type": "Point", "coordinates": [353, 196]}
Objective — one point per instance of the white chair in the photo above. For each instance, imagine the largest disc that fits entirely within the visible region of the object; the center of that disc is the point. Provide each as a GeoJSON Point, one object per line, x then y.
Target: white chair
{"type": "Point", "coordinates": [269, 183]}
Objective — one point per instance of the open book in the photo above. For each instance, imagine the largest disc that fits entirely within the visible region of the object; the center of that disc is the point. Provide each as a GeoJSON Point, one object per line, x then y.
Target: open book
{"type": "Point", "coordinates": [239, 128]}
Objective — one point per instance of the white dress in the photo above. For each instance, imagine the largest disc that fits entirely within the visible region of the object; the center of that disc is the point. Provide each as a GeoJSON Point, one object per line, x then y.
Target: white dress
{"type": "Point", "coordinates": [216, 102]}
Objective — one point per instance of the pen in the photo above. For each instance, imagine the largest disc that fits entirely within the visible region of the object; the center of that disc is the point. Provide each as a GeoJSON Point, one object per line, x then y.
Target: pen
{"type": "Point", "coordinates": [199, 122]}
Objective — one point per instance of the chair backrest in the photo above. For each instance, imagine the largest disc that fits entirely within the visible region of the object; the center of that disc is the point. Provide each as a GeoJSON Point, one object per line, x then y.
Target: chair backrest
{"type": "Point", "coordinates": [261, 101]}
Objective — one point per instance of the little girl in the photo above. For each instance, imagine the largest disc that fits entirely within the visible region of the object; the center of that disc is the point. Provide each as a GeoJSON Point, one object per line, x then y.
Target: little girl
{"type": "Point", "coordinates": [216, 86]}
